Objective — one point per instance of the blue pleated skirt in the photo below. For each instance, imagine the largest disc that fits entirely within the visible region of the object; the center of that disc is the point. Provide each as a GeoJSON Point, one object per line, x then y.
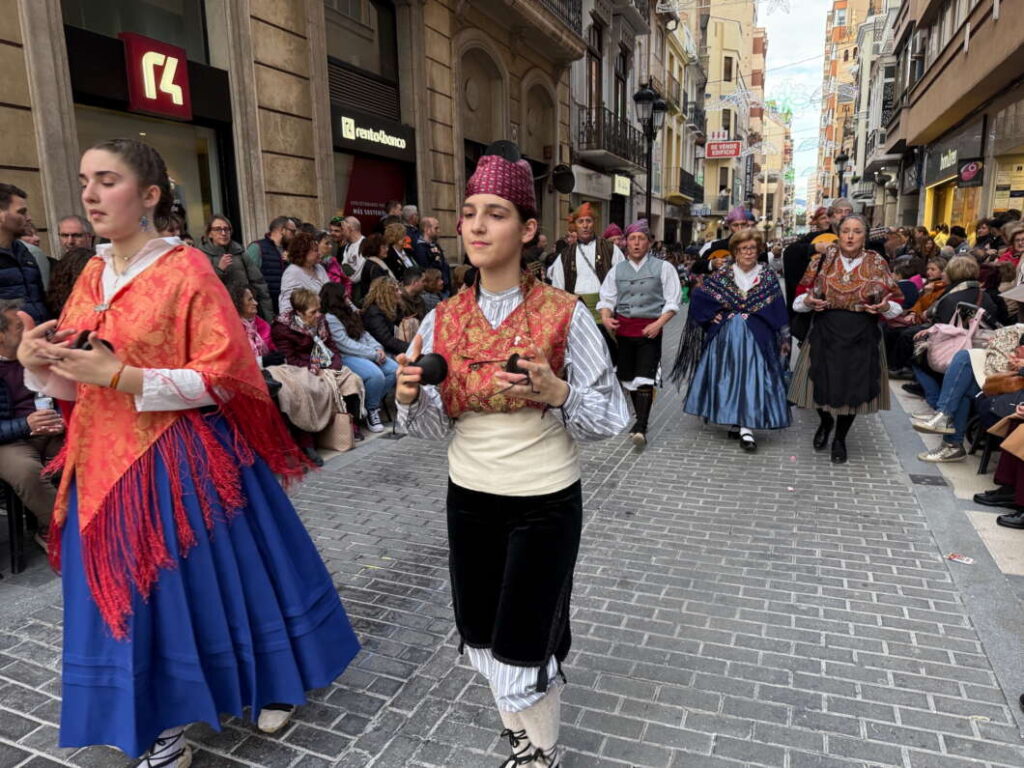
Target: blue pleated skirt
{"type": "Point", "coordinates": [736, 384]}
{"type": "Point", "coordinates": [249, 617]}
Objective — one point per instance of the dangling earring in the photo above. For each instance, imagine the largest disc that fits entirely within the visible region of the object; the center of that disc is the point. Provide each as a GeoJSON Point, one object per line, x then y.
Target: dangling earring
{"type": "Point", "coordinates": [144, 223]}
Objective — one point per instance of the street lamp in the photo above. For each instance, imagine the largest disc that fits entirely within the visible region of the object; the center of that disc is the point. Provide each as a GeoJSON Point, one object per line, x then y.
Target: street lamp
{"type": "Point", "coordinates": [650, 112]}
{"type": "Point", "coordinates": [841, 160]}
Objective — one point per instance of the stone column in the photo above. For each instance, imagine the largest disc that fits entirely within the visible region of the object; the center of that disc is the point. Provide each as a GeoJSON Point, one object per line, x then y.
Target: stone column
{"type": "Point", "coordinates": [39, 113]}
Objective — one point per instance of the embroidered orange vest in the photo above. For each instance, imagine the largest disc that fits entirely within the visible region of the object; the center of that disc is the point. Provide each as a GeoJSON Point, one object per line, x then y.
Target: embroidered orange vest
{"type": "Point", "coordinates": [467, 341]}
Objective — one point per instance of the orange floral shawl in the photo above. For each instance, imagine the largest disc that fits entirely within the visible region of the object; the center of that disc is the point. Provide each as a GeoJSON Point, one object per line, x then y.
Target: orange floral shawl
{"type": "Point", "coordinates": [175, 314]}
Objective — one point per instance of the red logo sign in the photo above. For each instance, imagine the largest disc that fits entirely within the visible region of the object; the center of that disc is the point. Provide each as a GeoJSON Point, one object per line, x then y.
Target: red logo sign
{"type": "Point", "coordinates": [716, 150]}
{"type": "Point", "coordinates": [157, 77]}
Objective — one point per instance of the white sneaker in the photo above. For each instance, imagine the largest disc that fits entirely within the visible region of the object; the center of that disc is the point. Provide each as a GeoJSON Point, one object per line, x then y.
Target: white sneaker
{"type": "Point", "coordinates": [273, 720]}
{"type": "Point", "coordinates": [169, 752]}
{"type": "Point", "coordinates": [939, 424]}
{"type": "Point", "coordinates": [946, 453]}
{"type": "Point", "coordinates": [373, 422]}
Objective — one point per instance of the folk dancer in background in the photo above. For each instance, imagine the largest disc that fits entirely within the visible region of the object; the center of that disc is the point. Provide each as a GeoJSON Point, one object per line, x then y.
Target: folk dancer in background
{"type": "Point", "coordinates": [638, 298]}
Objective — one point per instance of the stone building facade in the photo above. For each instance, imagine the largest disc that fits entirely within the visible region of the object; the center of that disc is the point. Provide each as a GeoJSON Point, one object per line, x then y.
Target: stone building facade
{"type": "Point", "coordinates": [298, 107]}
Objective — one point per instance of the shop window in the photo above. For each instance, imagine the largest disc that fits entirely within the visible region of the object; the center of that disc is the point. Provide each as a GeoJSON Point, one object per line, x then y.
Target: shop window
{"type": "Point", "coordinates": [190, 152]}
{"type": "Point", "coordinates": [177, 22]}
{"type": "Point", "coordinates": [362, 34]}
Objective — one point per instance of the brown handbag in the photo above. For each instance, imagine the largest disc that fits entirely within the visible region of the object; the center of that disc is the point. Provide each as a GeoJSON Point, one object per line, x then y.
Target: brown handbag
{"type": "Point", "coordinates": [1003, 383]}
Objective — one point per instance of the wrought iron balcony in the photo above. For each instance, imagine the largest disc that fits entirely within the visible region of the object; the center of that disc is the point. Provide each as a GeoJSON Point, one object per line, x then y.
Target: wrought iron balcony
{"type": "Point", "coordinates": [569, 11]}
{"type": "Point", "coordinates": [674, 93]}
{"type": "Point", "coordinates": [638, 13]}
{"type": "Point", "coordinates": [609, 139]}
{"type": "Point", "coordinates": [688, 186]}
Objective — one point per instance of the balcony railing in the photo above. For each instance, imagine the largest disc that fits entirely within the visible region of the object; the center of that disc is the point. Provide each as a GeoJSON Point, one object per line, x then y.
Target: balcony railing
{"type": "Point", "coordinates": [602, 129]}
{"type": "Point", "coordinates": [688, 186]}
{"type": "Point", "coordinates": [696, 118]}
{"type": "Point", "coordinates": [569, 11]}
{"type": "Point", "coordinates": [674, 94]}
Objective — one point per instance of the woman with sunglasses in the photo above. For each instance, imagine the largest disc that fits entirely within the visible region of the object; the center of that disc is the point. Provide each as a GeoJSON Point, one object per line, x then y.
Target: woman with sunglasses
{"type": "Point", "coordinates": [514, 493]}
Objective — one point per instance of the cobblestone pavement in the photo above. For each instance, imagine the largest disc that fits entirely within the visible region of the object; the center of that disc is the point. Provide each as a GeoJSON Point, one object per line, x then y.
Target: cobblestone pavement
{"type": "Point", "coordinates": [730, 610]}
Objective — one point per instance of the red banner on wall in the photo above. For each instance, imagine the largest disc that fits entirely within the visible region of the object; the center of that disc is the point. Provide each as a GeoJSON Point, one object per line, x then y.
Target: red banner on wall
{"type": "Point", "coordinates": [717, 150]}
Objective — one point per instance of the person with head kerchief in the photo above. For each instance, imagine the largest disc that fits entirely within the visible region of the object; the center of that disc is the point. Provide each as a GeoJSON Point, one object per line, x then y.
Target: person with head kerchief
{"type": "Point", "coordinates": [841, 370]}
{"type": "Point", "coordinates": [638, 298]}
{"type": "Point", "coordinates": [582, 267]}
{"type": "Point", "coordinates": [514, 500]}
{"type": "Point", "coordinates": [714, 255]}
{"type": "Point", "coordinates": [189, 582]}
{"type": "Point", "coordinates": [733, 348]}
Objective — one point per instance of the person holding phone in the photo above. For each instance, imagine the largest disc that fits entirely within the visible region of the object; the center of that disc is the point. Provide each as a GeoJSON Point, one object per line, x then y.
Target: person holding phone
{"type": "Point", "coordinates": [841, 370]}
{"type": "Point", "coordinates": [191, 587]}
{"type": "Point", "coordinates": [528, 378]}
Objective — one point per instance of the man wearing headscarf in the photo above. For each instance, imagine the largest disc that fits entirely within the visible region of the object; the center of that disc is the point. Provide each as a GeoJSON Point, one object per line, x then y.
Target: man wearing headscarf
{"type": "Point", "coordinates": [714, 254]}
{"type": "Point", "coordinates": [582, 267]}
{"type": "Point", "coordinates": [638, 297]}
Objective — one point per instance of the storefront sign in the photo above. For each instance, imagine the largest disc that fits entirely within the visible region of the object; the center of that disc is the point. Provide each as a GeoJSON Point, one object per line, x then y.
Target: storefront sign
{"type": "Point", "coordinates": [157, 77]}
{"type": "Point", "coordinates": [943, 157]}
{"type": "Point", "coordinates": [947, 160]}
{"type": "Point", "coordinates": [717, 150]}
{"type": "Point", "coordinates": [593, 184]}
{"type": "Point", "coordinates": [621, 185]}
{"type": "Point", "coordinates": [372, 135]}
{"type": "Point", "coordinates": [700, 210]}
{"type": "Point", "coordinates": [971, 173]}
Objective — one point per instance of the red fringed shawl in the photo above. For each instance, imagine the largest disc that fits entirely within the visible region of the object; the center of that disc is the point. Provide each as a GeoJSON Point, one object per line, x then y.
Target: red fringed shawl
{"type": "Point", "coordinates": [175, 314]}
{"type": "Point", "coordinates": [475, 351]}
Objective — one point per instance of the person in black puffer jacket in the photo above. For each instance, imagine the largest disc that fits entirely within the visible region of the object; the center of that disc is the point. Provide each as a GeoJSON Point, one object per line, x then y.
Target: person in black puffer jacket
{"type": "Point", "coordinates": [382, 308]}
{"type": "Point", "coordinates": [20, 277]}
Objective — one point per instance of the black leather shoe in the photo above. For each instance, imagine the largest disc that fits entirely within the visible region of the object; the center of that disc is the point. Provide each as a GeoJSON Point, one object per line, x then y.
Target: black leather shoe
{"type": "Point", "coordinates": [821, 436]}
{"type": "Point", "coordinates": [1016, 520]}
{"type": "Point", "coordinates": [998, 497]}
{"type": "Point", "coordinates": [734, 434]}
{"type": "Point", "coordinates": [748, 444]}
{"type": "Point", "coordinates": [838, 451]}
{"type": "Point", "coordinates": [313, 456]}
{"type": "Point", "coordinates": [913, 389]}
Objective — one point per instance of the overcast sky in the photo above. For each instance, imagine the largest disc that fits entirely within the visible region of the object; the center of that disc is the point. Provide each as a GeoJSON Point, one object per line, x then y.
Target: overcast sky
{"type": "Point", "coordinates": [796, 41]}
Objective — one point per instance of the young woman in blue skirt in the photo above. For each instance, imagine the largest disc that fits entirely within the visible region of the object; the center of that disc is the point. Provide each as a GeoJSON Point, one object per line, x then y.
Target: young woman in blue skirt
{"type": "Point", "coordinates": [191, 587]}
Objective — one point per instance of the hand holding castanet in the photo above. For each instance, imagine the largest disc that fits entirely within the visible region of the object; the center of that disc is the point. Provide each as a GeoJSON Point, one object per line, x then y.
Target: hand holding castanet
{"type": "Point", "coordinates": [537, 381]}
{"type": "Point", "coordinates": [407, 390]}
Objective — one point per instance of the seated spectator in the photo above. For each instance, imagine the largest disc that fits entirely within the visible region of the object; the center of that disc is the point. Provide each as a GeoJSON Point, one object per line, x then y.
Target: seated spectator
{"type": "Point", "coordinates": [962, 275]}
{"type": "Point", "coordinates": [412, 294]}
{"type": "Point", "coordinates": [360, 352]}
{"type": "Point", "coordinates": [304, 271]}
{"type": "Point", "coordinates": [29, 438]}
{"type": "Point", "coordinates": [905, 271]}
{"type": "Point", "coordinates": [951, 401]}
{"type": "Point", "coordinates": [229, 262]}
{"type": "Point", "coordinates": [306, 401]}
{"type": "Point", "coordinates": [1014, 234]}
{"type": "Point", "coordinates": [433, 288]}
{"type": "Point", "coordinates": [302, 336]}
{"type": "Point", "coordinates": [1007, 280]}
{"type": "Point", "coordinates": [459, 273]}
{"type": "Point", "coordinates": [64, 275]}
{"type": "Point", "coordinates": [374, 250]}
{"type": "Point", "coordinates": [382, 313]}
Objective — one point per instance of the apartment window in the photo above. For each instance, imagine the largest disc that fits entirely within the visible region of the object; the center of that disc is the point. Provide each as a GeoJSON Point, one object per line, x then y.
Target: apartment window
{"type": "Point", "coordinates": [659, 44]}
{"type": "Point", "coordinates": [621, 83]}
{"type": "Point", "coordinates": [840, 17]}
{"type": "Point", "coordinates": [364, 35]}
{"type": "Point", "coordinates": [723, 178]}
{"type": "Point", "coordinates": [178, 22]}
{"type": "Point", "coordinates": [727, 121]}
{"type": "Point", "coordinates": [595, 45]}
{"type": "Point", "coordinates": [727, 69]}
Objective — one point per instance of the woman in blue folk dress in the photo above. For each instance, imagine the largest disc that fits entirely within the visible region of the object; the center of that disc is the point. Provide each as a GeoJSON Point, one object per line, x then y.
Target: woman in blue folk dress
{"type": "Point", "coordinates": [734, 345]}
{"type": "Point", "coordinates": [191, 587]}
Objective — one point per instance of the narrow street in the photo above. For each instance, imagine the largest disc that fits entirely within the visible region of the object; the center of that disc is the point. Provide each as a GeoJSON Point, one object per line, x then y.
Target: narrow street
{"type": "Point", "coordinates": [729, 610]}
